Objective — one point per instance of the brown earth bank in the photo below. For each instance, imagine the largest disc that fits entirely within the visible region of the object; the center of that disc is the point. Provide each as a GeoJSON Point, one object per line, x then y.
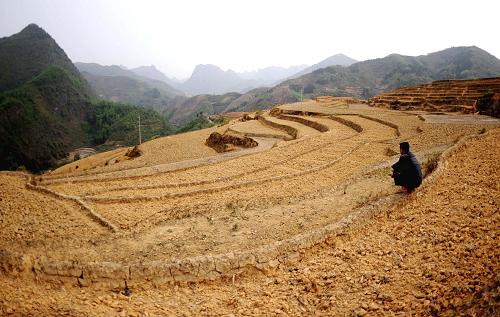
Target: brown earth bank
{"type": "Point", "coordinates": [435, 252]}
{"type": "Point", "coordinates": [467, 96]}
{"type": "Point", "coordinates": [227, 142]}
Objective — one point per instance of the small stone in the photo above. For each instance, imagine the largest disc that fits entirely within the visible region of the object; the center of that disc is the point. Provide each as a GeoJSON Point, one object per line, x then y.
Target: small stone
{"type": "Point", "coordinates": [82, 282]}
{"type": "Point", "coordinates": [385, 297]}
{"type": "Point", "coordinates": [360, 312]}
{"type": "Point", "coordinates": [418, 295]}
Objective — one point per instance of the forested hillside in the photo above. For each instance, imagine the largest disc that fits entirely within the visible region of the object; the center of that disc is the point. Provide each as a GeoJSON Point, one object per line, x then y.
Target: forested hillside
{"type": "Point", "coordinates": [48, 109]}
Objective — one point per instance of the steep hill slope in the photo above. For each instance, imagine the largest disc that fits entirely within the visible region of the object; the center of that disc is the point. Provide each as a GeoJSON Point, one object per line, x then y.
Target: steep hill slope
{"type": "Point", "coordinates": [42, 120]}
{"type": "Point", "coordinates": [29, 52]}
{"type": "Point", "coordinates": [47, 108]}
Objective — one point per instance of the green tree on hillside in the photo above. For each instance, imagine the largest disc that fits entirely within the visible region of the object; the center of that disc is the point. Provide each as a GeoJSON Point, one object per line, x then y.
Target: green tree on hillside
{"type": "Point", "coordinates": [111, 121]}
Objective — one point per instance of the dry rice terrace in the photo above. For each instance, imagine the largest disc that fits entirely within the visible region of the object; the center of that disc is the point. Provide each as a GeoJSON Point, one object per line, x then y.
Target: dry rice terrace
{"type": "Point", "coordinates": [289, 215]}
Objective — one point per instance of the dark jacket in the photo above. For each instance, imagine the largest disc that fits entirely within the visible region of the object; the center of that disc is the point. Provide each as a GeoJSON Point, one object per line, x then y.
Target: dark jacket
{"type": "Point", "coordinates": [407, 171]}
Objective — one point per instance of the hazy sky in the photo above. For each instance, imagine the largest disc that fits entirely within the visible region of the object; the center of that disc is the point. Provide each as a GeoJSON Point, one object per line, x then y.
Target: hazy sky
{"type": "Point", "coordinates": [247, 35]}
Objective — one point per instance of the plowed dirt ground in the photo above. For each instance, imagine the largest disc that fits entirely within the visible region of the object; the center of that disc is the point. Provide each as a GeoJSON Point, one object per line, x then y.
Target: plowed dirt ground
{"type": "Point", "coordinates": [434, 252]}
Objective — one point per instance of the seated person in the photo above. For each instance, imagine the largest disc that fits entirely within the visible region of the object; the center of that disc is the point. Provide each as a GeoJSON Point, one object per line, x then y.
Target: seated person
{"type": "Point", "coordinates": [406, 171]}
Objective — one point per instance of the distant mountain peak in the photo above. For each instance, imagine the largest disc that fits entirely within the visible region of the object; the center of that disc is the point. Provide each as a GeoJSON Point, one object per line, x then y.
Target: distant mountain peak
{"type": "Point", "coordinates": [337, 59]}
{"type": "Point", "coordinates": [211, 79]}
{"type": "Point", "coordinates": [202, 70]}
{"type": "Point", "coordinates": [206, 67]}
{"type": "Point", "coordinates": [27, 53]}
{"type": "Point", "coordinates": [153, 72]}
{"type": "Point", "coordinates": [32, 27]}
{"type": "Point", "coordinates": [340, 55]}
{"type": "Point", "coordinates": [334, 60]}
{"type": "Point", "coordinates": [148, 67]}
{"type": "Point", "coordinates": [33, 30]}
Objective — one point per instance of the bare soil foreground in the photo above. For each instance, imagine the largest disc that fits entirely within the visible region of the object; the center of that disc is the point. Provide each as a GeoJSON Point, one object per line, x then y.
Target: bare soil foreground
{"type": "Point", "coordinates": [311, 226]}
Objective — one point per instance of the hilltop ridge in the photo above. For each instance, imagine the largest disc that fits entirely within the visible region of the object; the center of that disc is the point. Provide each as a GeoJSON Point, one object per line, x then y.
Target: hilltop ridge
{"type": "Point", "coordinates": [360, 80]}
{"type": "Point", "coordinates": [27, 53]}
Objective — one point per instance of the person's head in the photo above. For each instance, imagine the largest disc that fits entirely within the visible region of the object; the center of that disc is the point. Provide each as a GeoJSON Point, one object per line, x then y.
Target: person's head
{"type": "Point", "coordinates": [404, 147]}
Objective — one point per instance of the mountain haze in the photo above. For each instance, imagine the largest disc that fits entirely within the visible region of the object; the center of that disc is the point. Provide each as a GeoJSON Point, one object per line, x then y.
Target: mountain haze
{"type": "Point", "coordinates": [150, 72]}
{"type": "Point", "coordinates": [118, 71]}
{"type": "Point", "coordinates": [361, 80]}
{"type": "Point", "coordinates": [115, 83]}
{"type": "Point", "coordinates": [210, 79]}
{"type": "Point", "coordinates": [335, 60]}
{"type": "Point", "coordinates": [271, 75]}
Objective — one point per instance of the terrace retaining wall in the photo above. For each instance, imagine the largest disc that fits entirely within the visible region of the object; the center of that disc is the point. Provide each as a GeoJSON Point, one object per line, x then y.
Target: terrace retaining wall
{"type": "Point", "coordinates": [200, 268]}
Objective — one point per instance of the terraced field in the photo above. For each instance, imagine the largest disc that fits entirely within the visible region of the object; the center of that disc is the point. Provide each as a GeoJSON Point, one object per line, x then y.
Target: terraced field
{"type": "Point", "coordinates": [183, 212]}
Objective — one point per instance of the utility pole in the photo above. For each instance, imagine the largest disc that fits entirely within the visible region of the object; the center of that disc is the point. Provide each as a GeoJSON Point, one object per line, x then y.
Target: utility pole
{"type": "Point", "coordinates": [140, 139]}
